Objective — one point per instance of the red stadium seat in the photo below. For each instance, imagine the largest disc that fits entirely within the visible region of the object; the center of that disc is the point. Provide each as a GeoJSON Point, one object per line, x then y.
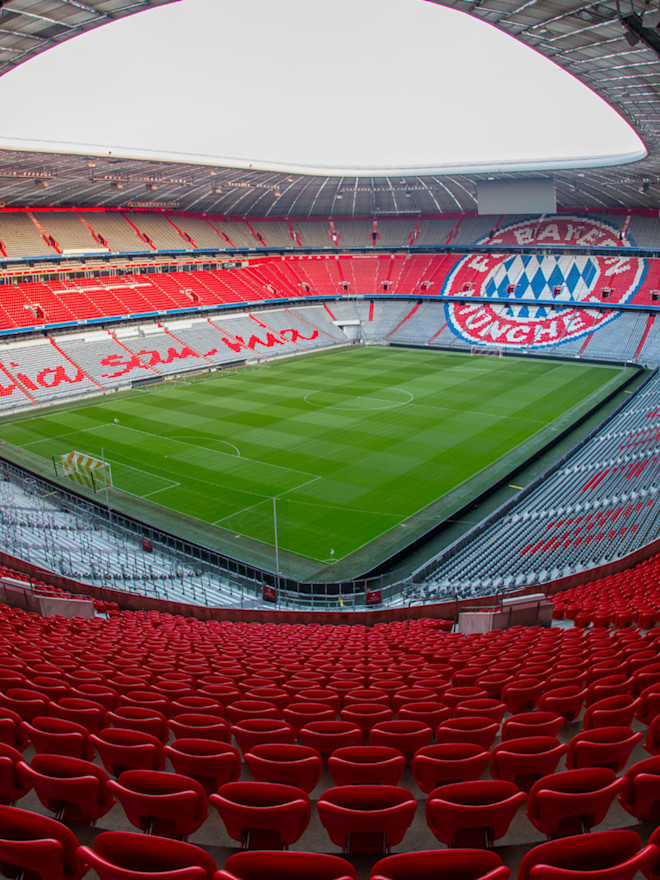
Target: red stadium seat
{"type": "Point", "coordinates": [523, 694]}
{"type": "Point", "coordinates": [366, 715]}
{"type": "Point", "coordinates": [532, 724]}
{"type": "Point", "coordinates": [525, 760]}
{"type": "Point", "coordinates": [429, 712]}
{"type": "Point", "coordinates": [484, 708]}
{"type": "Point", "coordinates": [165, 804]}
{"type": "Point", "coordinates": [602, 747]}
{"type": "Point", "coordinates": [289, 764]}
{"type": "Point", "coordinates": [617, 711]}
{"type": "Point", "coordinates": [572, 802]}
{"type": "Point", "coordinates": [263, 815]}
{"type": "Point", "coordinates": [11, 732]}
{"type": "Point", "coordinates": [366, 818]}
{"type": "Point", "coordinates": [601, 855]}
{"type": "Point", "coordinates": [299, 714]}
{"type": "Point", "coordinates": [87, 713]}
{"type": "Point", "coordinates": [652, 742]}
{"type": "Point", "coordinates": [192, 725]}
{"type": "Point", "coordinates": [652, 869]}
{"type": "Point", "coordinates": [406, 736]}
{"type": "Point", "coordinates": [120, 749]}
{"type": "Point", "coordinates": [641, 796]}
{"type": "Point", "coordinates": [75, 790]}
{"type": "Point", "coordinates": [457, 864]}
{"type": "Point", "coordinates": [256, 731]}
{"type": "Point", "coordinates": [34, 846]}
{"type": "Point", "coordinates": [474, 729]}
{"type": "Point", "coordinates": [124, 855]}
{"type": "Point", "coordinates": [473, 813]}
{"type": "Point", "coordinates": [567, 701]}
{"type": "Point", "coordinates": [244, 710]}
{"type": "Point", "coordinates": [327, 736]}
{"type": "Point", "coordinates": [278, 865]}
{"type": "Point", "coordinates": [366, 765]}
{"type": "Point", "coordinates": [13, 783]}
{"type": "Point", "coordinates": [25, 702]}
{"type": "Point", "coordinates": [209, 762]}
{"type": "Point", "coordinates": [441, 764]}
{"type": "Point", "coordinates": [144, 720]}
{"type": "Point", "coordinates": [55, 736]}
{"type": "Point", "coordinates": [197, 705]}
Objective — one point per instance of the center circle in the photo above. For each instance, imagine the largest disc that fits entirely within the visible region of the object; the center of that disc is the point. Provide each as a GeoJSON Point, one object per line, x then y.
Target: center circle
{"type": "Point", "coordinates": [360, 399]}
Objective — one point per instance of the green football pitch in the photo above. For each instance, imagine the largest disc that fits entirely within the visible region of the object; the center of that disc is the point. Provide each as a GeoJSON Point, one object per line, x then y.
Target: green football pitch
{"type": "Point", "coordinates": [354, 444]}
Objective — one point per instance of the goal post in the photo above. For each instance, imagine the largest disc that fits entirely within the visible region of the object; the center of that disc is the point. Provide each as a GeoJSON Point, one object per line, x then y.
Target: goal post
{"type": "Point", "coordinates": [492, 350]}
{"type": "Point", "coordinates": [92, 472]}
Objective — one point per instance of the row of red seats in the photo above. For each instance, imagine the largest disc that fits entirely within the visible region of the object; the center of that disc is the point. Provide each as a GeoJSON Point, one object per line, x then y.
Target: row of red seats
{"type": "Point", "coordinates": [359, 815]}
{"type": "Point", "coordinates": [47, 850]}
{"type": "Point", "coordinates": [627, 598]}
{"type": "Point", "coordinates": [158, 668]}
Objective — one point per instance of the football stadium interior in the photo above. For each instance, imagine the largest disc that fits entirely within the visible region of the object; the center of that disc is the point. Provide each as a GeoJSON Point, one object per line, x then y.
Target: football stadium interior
{"type": "Point", "coordinates": [306, 479]}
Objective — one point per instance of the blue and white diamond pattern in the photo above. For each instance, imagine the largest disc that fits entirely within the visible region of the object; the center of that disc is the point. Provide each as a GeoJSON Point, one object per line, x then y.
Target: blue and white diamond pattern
{"type": "Point", "coordinates": [536, 277]}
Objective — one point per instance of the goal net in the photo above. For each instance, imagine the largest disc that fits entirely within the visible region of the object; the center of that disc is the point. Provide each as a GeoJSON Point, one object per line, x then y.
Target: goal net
{"type": "Point", "coordinates": [84, 469]}
{"type": "Point", "coordinates": [493, 350]}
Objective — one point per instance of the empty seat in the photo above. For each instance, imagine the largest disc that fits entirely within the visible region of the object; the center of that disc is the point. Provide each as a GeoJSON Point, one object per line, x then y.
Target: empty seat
{"type": "Point", "coordinates": [532, 724]}
{"type": "Point", "coordinates": [366, 715]}
{"type": "Point", "coordinates": [366, 765]}
{"type": "Point", "coordinates": [601, 855]}
{"type": "Point", "coordinates": [429, 712]}
{"type": "Point", "coordinates": [457, 864]}
{"type": "Point", "coordinates": [13, 783]}
{"type": "Point", "coordinates": [440, 764]}
{"type": "Point", "coordinates": [11, 731]}
{"type": "Point", "coordinates": [37, 847]}
{"type": "Point", "coordinates": [572, 802]}
{"type": "Point", "coordinates": [87, 713]}
{"type": "Point", "coordinates": [75, 790]}
{"type": "Point", "coordinates": [263, 815]}
{"type": "Point", "coordinates": [602, 747]}
{"type": "Point", "coordinates": [57, 736]}
{"type": "Point", "coordinates": [144, 720]}
{"type": "Point", "coordinates": [120, 749]}
{"type": "Point", "coordinates": [366, 818]}
{"type": "Point", "coordinates": [567, 701]}
{"type": "Point", "coordinates": [299, 714]}
{"type": "Point", "coordinates": [210, 762]}
{"type": "Point", "coordinates": [287, 763]}
{"type": "Point", "coordinates": [480, 731]}
{"type": "Point", "coordinates": [523, 694]}
{"type": "Point", "coordinates": [25, 702]}
{"type": "Point", "coordinates": [242, 710]}
{"type": "Point", "coordinates": [277, 865]}
{"type": "Point", "coordinates": [166, 804]}
{"type": "Point", "coordinates": [641, 795]}
{"type": "Point", "coordinates": [405, 735]}
{"type": "Point", "coordinates": [255, 731]}
{"type": "Point", "coordinates": [618, 710]}
{"type": "Point", "coordinates": [124, 855]}
{"type": "Point", "coordinates": [473, 813]}
{"type": "Point", "coordinates": [327, 736]}
{"type": "Point", "coordinates": [525, 760]}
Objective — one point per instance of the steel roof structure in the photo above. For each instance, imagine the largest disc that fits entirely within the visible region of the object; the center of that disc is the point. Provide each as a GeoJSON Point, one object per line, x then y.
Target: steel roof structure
{"type": "Point", "coordinates": [607, 44]}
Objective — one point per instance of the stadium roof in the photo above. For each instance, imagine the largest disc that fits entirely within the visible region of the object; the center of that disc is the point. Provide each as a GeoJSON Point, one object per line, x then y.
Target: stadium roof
{"type": "Point", "coordinates": [614, 50]}
{"type": "Point", "coordinates": [28, 27]}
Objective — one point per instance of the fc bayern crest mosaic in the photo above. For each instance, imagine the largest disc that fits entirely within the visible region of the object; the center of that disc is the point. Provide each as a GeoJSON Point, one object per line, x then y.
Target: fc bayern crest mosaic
{"type": "Point", "coordinates": [539, 288]}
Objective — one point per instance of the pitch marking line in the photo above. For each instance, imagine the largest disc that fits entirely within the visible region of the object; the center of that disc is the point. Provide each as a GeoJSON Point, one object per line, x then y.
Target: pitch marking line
{"type": "Point", "coordinates": [389, 404]}
{"type": "Point", "coordinates": [266, 498]}
{"type": "Point", "coordinates": [216, 451]}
